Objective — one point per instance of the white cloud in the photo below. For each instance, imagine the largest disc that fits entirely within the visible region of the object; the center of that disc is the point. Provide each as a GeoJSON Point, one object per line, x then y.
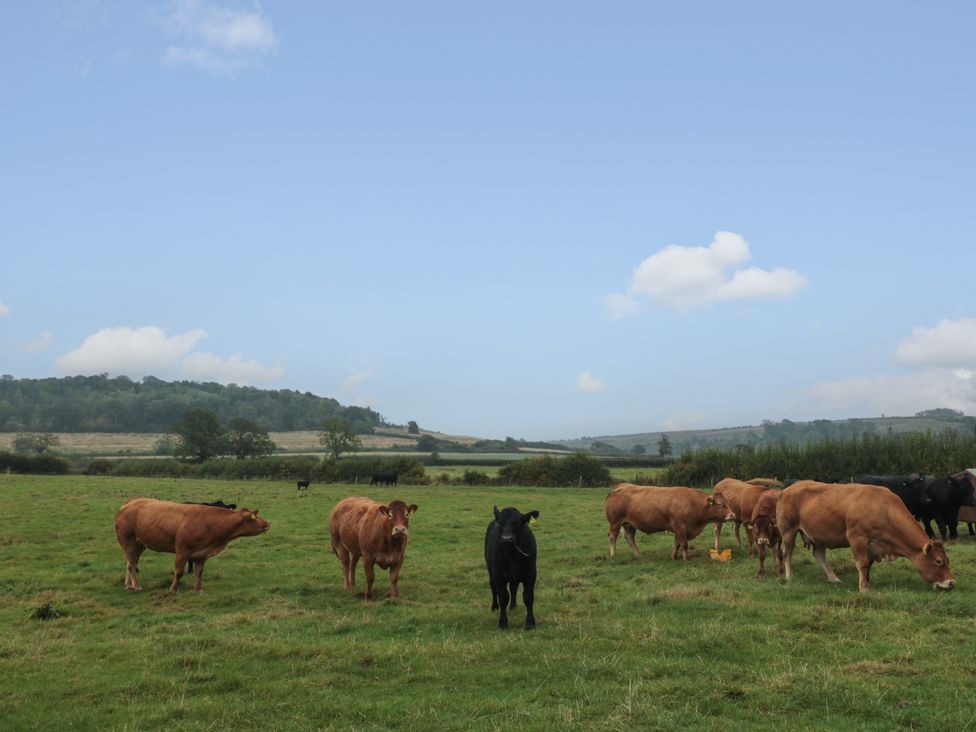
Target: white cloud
{"type": "Point", "coordinates": [128, 351]}
{"type": "Point", "coordinates": [621, 305]}
{"type": "Point", "coordinates": [233, 370]}
{"type": "Point", "coordinates": [903, 394]}
{"type": "Point", "coordinates": [685, 277]}
{"type": "Point", "coordinates": [4, 310]}
{"type": "Point", "coordinates": [589, 383]}
{"type": "Point", "coordinates": [219, 39]}
{"type": "Point", "coordinates": [356, 378]}
{"type": "Point", "coordinates": [951, 345]}
{"type": "Point", "coordinates": [682, 421]}
{"type": "Point", "coordinates": [41, 343]}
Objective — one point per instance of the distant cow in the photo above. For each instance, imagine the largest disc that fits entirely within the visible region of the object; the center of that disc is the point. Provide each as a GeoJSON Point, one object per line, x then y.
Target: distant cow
{"type": "Point", "coordinates": [741, 498]}
{"type": "Point", "coordinates": [948, 494]}
{"type": "Point", "coordinates": [909, 488]}
{"type": "Point", "coordinates": [385, 477]}
{"type": "Point", "coordinates": [765, 530]}
{"type": "Point", "coordinates": [870, 519]}
{"type": "Point", "coordinates": [510, 553]}
{"type": "Point", "coordinates": [191, 531]}
{"type": "Point", "coordinates": [303, 485]}
{"type": "Point", "coordinates": [377, 532]}
{"type": "Point", "coordinates": [682, 511]}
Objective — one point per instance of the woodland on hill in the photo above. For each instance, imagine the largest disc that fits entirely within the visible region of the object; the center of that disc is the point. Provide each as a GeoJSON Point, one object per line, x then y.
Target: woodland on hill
{"type": "Point", "coordinates": [119, 404]}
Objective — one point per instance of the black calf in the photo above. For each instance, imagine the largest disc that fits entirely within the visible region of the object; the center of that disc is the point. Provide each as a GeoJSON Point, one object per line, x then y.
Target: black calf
{"type": "Point", "coordinates": [510, 553]}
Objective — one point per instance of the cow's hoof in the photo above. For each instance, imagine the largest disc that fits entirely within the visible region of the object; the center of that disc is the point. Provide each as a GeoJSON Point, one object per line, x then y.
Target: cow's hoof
{"type": "Point", "coordinates": [503, 625]}
{"type": "Point", "coordinates": [529, 626]}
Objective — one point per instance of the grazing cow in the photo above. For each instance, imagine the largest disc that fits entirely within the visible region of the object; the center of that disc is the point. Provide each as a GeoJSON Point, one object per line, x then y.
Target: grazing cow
{"type": "Point", "coordinates": [870, 519]}
{"type": "Point", "coordinates": [682, 511]}
{"type": "Point", "coordinates": [377, 532]}
{"type": "Point", "coordinates": [385, 477]}
{"type": "Point", "coordinates": [510, 554]}
{"type": "Point", "coordinates": [303, 485]}
{"type": "Point", "coordinates": [741, 498]}
{"type": "Point", "coordinates": [948, 494]}
{"type": "Point", "coordinates": [191, 531]}
{"type": "Point", "coordinates": [909, 488]}
{"type": "Point", "coordinates": [765, 531]}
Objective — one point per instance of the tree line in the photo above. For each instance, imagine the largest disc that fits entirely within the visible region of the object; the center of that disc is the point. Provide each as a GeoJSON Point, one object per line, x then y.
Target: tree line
{"type": "Point", "coordinates": [119, 404]}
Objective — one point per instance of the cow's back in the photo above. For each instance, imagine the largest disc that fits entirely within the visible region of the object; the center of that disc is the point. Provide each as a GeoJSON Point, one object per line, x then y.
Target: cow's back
{"type": "Point", "coordinates": [152, 523]}
{"type": "Point", "coordinates": [740, 496]}
{"type": "Point", "coordinates": [346, 520]}
{"type": "Point", "coordinates": [825, 511]}
{"type": "Point", "coordinates": [652, 508]}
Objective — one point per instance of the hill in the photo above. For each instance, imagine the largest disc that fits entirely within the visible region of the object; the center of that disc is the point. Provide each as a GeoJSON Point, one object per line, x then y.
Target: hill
{"type": "Point", "coordinates": [934, 420]}
{"type": "Point", "coordinates": [101, 404]}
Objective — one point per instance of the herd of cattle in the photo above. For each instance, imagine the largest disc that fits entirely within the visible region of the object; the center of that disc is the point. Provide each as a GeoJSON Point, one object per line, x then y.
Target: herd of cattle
{"type": "Point", "coordinates": [877, 517]}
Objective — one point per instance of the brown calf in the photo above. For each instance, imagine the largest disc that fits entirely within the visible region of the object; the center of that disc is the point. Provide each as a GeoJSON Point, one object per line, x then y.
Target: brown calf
{"type": "Point", "coordinates": [188, 530]}
{"type": "Point", "coordinates": [765, 532]}
{"type": "Point", "coordinates": [360, 527]}
{"type": "Point", "coordinates": [682, 511]}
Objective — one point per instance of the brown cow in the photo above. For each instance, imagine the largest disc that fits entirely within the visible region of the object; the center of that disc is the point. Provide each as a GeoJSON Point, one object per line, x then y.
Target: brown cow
{"type": "Point", "coordinates": [375, 531]}
{"type": "Point", "coordinates": [741, 498]}
{"type": "Point", "coordinates": [765, 531]}
{"type": "Point", "coordinates": [190, 531]}
{"type": "Point", "coordinates": [682, 511]}
{"type": "Point", "coordinates": [870, 519]}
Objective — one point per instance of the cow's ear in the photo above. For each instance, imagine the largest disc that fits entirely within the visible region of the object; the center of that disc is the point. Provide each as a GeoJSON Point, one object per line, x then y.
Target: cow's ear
{"type": "Point", "coordinates": [411, 508]}
{"type": "Point", "coordinates": [383, 509]}
{"type": "Point", "coordinates": [497, 512]}
{"type": "Point", "coordinates": [530, 515]}
{"type": "Point", "coordinates": [927, 549]}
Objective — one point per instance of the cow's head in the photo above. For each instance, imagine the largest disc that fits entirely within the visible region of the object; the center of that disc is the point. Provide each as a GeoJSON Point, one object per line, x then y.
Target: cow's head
{"type": "Point", "coordinates": [962, 489]}
{"type": "Point", "coordinates": [933, 564]}
{"type": "Point", "coordinates": [398, 515]}
{"type": "Point", "coordinates": [513, 522]}
{"type": "Point", "coordinates": [717, 508]}
{"type": "Point", "coordinates": [764, 523]}
{"type": "Point", "coordinates": [915, 485]}
{"type": "Point", "coordinates": [253, 524]}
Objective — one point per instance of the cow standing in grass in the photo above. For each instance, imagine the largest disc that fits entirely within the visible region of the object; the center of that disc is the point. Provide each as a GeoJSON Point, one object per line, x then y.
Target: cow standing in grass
{"type": "Point", "coordinates": [870, 519]}
{"type": "Point", "coordinates": [680, 510]}
{"type": "Point", "coordinates": [510, 553]}
{"type": "Point", "coordinates": [377, 532]}
{"type": "Point", "coordinates": [741, 497]}
{"type": "Point", "coordinates": [190, 531]}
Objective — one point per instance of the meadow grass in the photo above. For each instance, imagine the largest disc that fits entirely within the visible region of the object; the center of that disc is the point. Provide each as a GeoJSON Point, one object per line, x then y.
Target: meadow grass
{"type": "Point", "coordinates": [275, 643]}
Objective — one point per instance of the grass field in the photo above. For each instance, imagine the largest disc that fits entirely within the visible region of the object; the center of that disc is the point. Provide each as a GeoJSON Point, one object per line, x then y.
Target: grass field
{"type": "Point", "coordinates": [275, 643]}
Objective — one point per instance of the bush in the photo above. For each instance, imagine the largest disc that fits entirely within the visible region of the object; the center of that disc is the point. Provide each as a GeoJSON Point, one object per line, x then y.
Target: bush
{"type": "Point", "coordinates": [33, 464]}
{"type": "Point", "coordinates": [574, 470]}
{"type": "Point", "coordinates": [475, 477]}
{"type": "Point", "coordinates": [101, 466]}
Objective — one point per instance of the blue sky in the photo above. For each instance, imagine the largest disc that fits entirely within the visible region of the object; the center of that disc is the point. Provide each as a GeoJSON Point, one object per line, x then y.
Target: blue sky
{"type": "Point", "coordinates": [542, 220]}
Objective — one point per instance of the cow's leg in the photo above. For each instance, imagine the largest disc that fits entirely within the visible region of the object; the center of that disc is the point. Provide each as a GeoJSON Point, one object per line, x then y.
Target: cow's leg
{"type": "Point", "coordinates": [718, 534]}
{"type": "Point", "coordinates": [494, 591]}
{"type": "Point", "coordinates": [630, 534]}
{"type": "Point", "coordinates": [394, 576]}
{"type": "Point", "coordinates": [178, 569]}
{"type": "Point", "coordinates": [953, 522]}
{"type": "Point", "coordinates": [353, 561]}
{"type": "Point", "coordinates": [972, 528]}
{"type": "Point", "coordinates": [927, 522]}
{"type": "Point", "coordinates": [789, 544]}
{"type": "Point", "coordinates": [513, 591]}
{"type": "Point", "coordinates": [820, 554]}
{"type": "Point", "coordinates": [779, 557]}
{"type": "Point", "coordinates": [528, 597]}
{"type": "Point", "coordinates": [750, 539]}
{"type": "Point", "coordinates": [132, 553]}
{"type": "Point", "coordinates": [614, 532]}
{"type": "Point", "coordinates": [680, 542]}
{"type": "Point", "coordinates": [502, 587]}
{"type": "Point", "coordinates": [343, 555]}
{"type": "Point", "coordinates": [738, 537]}
{"type": "Point", "coordinates": [862, 560]}
{"type": "Point", "coordinates": [762, 561]}
{"type": "Point", "coordinates": [199, 574]}
{"type": "Point", "coordinates": [370, 575]}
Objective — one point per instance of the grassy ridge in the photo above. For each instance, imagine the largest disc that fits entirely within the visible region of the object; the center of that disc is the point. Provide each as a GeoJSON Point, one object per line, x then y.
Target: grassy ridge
{"type": "Point", "coordinates": [275, 643]}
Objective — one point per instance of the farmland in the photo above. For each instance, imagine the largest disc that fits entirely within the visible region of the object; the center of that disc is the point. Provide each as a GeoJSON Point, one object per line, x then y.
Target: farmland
{"type": "Point", "coordinates": [275, 643]}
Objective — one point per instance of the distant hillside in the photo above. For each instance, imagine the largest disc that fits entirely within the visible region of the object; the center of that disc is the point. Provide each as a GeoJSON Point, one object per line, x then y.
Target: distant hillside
{"type": "Point", "coordinates": [101, 404]}
{"type": "Point", "coordinates": [935, 420]}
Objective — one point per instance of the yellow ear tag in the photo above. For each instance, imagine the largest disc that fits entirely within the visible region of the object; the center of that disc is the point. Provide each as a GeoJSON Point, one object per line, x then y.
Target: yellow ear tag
{"type": "Point", "coordinates": [254, 517]}
{"type": "Point", "coordinates": [532, 521]}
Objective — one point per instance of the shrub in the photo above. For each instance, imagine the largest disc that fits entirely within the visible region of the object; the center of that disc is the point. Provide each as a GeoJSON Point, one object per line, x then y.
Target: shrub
{"type": "Point", "coordinates": [101, 466]}
{"type": "Point", "coordinates": [475, 477]}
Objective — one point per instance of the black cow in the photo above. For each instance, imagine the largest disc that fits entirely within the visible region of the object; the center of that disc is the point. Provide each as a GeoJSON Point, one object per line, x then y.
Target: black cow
{"type": "Point", "coordinates": [909, 488]}
{"type": "Point", "coordinates": [510, 554]}
{"type": "Point", "coordinates": [303, 485]}
{"type": "Point", "coordinates": [215, 504]}
{"type": "Point", "coordinates": [948, 494]}
{"type": "Point", "coordinates": [385, 477]}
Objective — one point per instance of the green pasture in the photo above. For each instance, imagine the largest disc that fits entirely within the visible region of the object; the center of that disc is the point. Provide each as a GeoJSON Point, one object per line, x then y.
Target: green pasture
{"type": "Point", "coordinates": [275, 643]}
